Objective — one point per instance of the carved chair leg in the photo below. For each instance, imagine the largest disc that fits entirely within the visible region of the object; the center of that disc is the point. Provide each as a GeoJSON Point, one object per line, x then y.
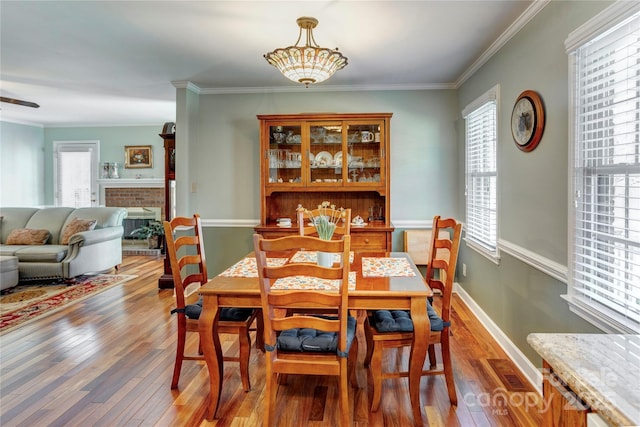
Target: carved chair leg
{"type": "Point", "coordinates": [369, 339]}
{"type": "Point", "coordinates": [352, 362]}
{"type": "Point", "coordinates": [375, 367]}
{"type": "Point", "coordinates": [244, 341]}
{"type": "Point", "coordinates": [433, 361]}
{"type": "Point", "coordinates": [259, 331]}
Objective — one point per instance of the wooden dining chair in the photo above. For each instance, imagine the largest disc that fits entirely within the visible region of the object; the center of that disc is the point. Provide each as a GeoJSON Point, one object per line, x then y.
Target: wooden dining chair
{"type": "Point", "coordinates": [306, 227]}
{"type": "Point", "coordinates": [304, 343]}
{"type": "Point", "coordinates": [394, 329]}
{"type": "Point", "coordinates": [188, 265]}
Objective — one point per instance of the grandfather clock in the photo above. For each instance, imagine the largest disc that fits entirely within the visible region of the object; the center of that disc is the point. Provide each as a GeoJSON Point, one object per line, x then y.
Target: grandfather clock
{"type": "Point", "coordinates": [169, 136]}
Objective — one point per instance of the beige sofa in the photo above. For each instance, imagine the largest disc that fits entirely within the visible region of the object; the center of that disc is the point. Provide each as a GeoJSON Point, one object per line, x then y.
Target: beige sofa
{"type": "Point", "coordinates": [96, 250]}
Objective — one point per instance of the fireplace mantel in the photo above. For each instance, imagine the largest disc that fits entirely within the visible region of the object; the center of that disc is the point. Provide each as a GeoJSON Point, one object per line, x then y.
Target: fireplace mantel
{"type": "Point", "coordinates": [123, 182]}
{"type": "Point", "coordinates": [126, 183]}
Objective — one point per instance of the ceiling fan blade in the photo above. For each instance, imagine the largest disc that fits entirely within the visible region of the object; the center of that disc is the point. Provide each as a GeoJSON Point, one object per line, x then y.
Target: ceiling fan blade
{"type": "Point", "coordinates": [19, 102]}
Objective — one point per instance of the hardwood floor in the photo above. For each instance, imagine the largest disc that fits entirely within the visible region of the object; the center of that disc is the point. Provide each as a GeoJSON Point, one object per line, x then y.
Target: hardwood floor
{"type": "Point", "coordinates": [108, 360]}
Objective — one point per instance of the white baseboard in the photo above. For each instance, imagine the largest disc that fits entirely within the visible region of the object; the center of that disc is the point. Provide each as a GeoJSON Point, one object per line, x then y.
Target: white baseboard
{"type": "Point", "coordinates": [527, 368]}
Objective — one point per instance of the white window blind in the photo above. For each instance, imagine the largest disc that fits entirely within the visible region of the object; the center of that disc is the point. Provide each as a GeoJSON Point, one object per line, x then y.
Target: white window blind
{"type": "Point", "coordinates": [605, 243]}
{"type": "Point", "coordinates": [74, 169]}
{"type": "Point", "coordinates": [75, 172]}
{"type": "Point", "coordinates": [481, 172]}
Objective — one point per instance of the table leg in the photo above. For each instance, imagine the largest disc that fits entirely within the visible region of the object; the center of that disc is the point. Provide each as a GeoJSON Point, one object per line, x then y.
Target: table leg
{"type": "Point", "coordinates": [421, 332]}
{"type": "Point", "coordinates": [212, 351]}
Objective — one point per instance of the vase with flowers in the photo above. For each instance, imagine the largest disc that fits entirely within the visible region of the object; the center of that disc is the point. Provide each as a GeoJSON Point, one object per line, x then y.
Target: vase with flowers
{"type": "Point", "coordinates": [325, 220]}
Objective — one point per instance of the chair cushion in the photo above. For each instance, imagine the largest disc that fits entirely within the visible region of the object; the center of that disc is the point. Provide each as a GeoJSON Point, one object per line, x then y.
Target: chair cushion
{"type": "Point", "coordinates": [313, 340]}
{"type": "Point", "coordinates": [192, 311]}
{"type": "Point", "coordinates": [400, 321]}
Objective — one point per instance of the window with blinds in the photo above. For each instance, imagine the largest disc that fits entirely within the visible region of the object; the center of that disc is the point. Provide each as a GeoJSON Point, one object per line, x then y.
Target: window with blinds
{"type": "Point", "coordinates": [604, 281]}
{"type": "Point", "coordinates": [481, 173]}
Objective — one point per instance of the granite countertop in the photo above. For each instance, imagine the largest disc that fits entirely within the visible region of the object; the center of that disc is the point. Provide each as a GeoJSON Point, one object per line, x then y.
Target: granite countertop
{"type": "Point", "coordinates": [602, 369]}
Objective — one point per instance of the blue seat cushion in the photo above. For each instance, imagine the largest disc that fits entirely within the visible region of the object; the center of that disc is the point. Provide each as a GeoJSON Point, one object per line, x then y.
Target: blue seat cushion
{"type": "Point", "coordinates": [400, 320]}
{"type": "Point", "coordinates": [192, 311]}
{"type": "Point", "coordinates": [313, 340]}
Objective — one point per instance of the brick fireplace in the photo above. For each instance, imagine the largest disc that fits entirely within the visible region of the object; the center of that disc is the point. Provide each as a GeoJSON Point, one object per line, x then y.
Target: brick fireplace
{"type": "Point", "coordinates": [135, 198]}
{"type": "Point", "coordinates": [144, 201]}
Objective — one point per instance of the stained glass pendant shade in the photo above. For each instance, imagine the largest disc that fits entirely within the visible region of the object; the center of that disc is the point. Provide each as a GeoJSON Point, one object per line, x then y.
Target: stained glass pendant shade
{"type": "Point", "coordinates": [309, 63]}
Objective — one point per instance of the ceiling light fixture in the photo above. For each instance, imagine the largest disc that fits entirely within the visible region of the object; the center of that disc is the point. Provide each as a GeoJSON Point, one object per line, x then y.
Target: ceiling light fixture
{"type": "Point", "coordinates": [309, 63]}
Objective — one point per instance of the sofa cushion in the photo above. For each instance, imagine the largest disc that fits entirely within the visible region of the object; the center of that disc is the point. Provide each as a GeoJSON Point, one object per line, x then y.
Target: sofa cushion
{"type": "Point", "coordinates": [76, 226]}
{"type": "Point", "coordinates": [105, 216]}
{"type": "Point", "coordinates": [44, 253]}
{"type": "Point", "coordinates": [13, 218]}
{"type": "Point", "coordinates": [10, 250]}
{"type": "Point", "coordinates": [28, 236]}
{"type": "Point", "coordinates": [8, 272]}
{"type": "Point", "coordinates": [51, 219]}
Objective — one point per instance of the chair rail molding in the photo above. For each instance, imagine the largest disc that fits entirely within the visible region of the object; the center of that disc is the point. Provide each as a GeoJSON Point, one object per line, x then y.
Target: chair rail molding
{"type": "Point", "coordinates": [230, 222]}
{"type": "Point", "coordinates": [547, 266]}
{"type": "Point", "coordinates": [408, 224]}
{"type": "Point", "coordinates": [413, 223]}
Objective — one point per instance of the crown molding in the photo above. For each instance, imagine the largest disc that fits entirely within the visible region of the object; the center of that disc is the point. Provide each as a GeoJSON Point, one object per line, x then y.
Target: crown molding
{"type": "Point", "coordinates": [324, 88]}
{"type": "Point", "coordinates": [513, 29]}
{"type": "Point", "coordinates": [186, 84]}
{"type": "Point", "coordinates": [21, 122]}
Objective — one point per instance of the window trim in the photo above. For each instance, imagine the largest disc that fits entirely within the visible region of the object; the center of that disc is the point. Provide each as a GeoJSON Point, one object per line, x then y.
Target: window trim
{"type": "Point", "coordinates": [493, 94]}
{"type": "Point", "coordinates": [602, 317]}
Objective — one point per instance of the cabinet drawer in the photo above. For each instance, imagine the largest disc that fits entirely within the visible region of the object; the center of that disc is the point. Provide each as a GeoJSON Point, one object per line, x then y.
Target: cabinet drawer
{"type": "Point", "coordinates": [369, 241]}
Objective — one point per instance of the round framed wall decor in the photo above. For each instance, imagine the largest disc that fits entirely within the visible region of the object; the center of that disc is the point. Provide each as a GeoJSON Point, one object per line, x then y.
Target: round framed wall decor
{"type": "Point", "coordinates": [527, 120]}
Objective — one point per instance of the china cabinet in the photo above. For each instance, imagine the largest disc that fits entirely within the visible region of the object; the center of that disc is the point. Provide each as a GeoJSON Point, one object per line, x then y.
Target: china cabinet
{"type": "Point", "coordinates": [169, 137]}
{"type": "Point", "coordinates": [341, 158]}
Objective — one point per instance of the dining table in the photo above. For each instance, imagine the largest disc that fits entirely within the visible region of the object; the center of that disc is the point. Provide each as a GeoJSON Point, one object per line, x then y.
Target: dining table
{"type": "Point", "coordinates": [378, 280]}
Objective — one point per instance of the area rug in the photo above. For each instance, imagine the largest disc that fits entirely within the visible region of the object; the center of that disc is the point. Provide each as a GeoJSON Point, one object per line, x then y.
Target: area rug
{"type": "Point", "coordinates": [32, 300]}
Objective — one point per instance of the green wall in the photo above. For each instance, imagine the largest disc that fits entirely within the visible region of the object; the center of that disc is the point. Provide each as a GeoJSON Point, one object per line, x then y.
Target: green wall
{"type": "Point", "coordinates": [22, 175]}
{"type": "Point", "coordinates": [532, 187]}
{"type": "Point", "coordinates": [222, 161]}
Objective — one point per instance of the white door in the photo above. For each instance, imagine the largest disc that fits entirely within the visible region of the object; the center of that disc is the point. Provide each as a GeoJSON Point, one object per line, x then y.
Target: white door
{"type": "Point", "coordinates": [75, 171]}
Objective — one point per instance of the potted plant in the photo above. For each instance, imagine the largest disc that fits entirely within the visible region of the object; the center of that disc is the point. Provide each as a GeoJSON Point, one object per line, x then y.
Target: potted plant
{"type": "Point", "coordinates": [152, 232]}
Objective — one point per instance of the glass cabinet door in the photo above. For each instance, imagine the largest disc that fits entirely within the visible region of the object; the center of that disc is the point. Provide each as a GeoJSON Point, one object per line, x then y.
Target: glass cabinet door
{"type": "Point", "coordinates": [284, 155]}
{"type": "Point", "coordinates": [325, 154]}
{"type": "Point", "coordinates": [365, 153]}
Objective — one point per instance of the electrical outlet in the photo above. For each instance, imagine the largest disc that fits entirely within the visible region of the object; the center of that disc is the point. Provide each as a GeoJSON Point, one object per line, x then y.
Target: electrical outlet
{"type": "Point", "coordinates": [194, 187]}
{"type": "Point", "coordinates": [464, 270]}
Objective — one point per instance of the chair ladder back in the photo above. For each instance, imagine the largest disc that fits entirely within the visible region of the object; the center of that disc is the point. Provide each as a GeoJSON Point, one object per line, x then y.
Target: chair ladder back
{"type": "Point", "coordinates": [298, 299]}
{"type": "Point", "coordinates": [446, 248]}
{"type": "Point", "coordinates": [176, 244]}
{"type": "Point", "coordinates": [306, 322]}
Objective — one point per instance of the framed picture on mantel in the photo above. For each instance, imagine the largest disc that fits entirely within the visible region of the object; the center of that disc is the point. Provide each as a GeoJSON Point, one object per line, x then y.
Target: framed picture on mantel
{"type": "Point", "coordinates": [138, 156]}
